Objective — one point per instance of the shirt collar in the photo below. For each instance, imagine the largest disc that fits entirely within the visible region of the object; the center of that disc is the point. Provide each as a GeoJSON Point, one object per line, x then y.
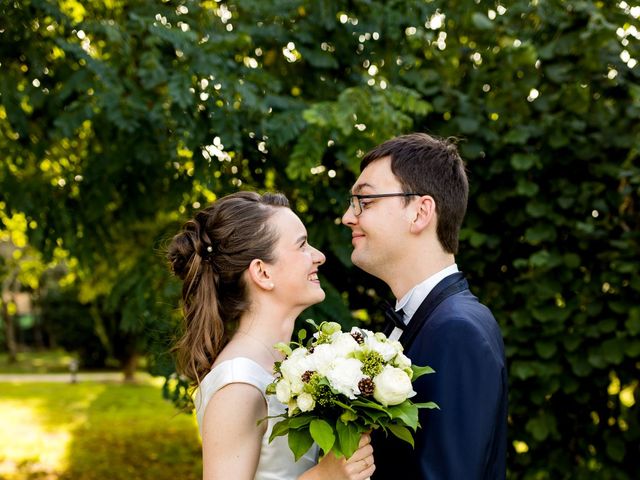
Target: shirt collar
{"type": "Point", "coordinates": [412, 300]}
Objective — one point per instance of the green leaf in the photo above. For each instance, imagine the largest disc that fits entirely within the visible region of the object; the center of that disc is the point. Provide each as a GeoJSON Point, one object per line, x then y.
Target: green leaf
{"type": "Point", "coordinates": [571, 260]}
{"type": "Point", "coordinates": [633, 322]}
{"type": "Point", "coordinates": [348, 437]}
{"type": "Point", "coordinates": [179, 90]}
{"type": "Point", "coordinates": [322, 433]}
{"type": "Point", "coordinates": [523, 161]}
{"type": "Point", "coordinates": [616, 448]}
{"type": "Point", "coordinates": [527, 188]}
{"type": "Point", "coordinates": [402, 433]}
{"type": "Point", "coordinates": [542, 426]}
{"type": "Point", "coordinates": [346, 406]}
{"type": "Point", "coordinates": [302, 334]}
{"type": "Point", "coordinates": [580, 365]}
{"type": "Point", "coordinates": [481, 21]}
{"type": "Point", "coordinates": [429, 405]}
{"type": "Point", "coordinates": [546, 349]}
{"type": "Point", "coordinates": [518, 135]}
{"type": "Point", "coordinates": [536, 208]}
{"type": "Point", "coordinates": [300, 420]}
{"type": "Point", "coordinates": [300, 442]}
{"type": "Point", "coordinates": [363, 402]}
{"type": "Point", "coordinates": [523, 370]}
{"type": "Point", "coordinates": [420, 371]}
{"type": "Point", "coordinates": [559, 72]}
{"type": "Point", "coordinates": [468, 125]}
{"type": "Point", "coordinates": [477, 239]}
{"type": "Point", "coordinates": [613, 351]}
{"type": "Point", "coordinates": [279, 429]}
{"type": "Point", "coordinates": [540, 233]}
{"type": "Point", "coordinates": [407, 412]}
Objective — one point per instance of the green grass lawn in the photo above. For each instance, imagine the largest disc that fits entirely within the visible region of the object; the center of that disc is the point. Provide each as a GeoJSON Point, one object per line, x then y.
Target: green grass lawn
{"type": "Point", "coordinates": [90, 431]}
{"type": "Point", "coordinates": [48, 361]}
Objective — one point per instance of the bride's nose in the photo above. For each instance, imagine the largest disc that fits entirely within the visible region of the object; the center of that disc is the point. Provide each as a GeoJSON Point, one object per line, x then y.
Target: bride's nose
{"type": "Point", "coordinates": [318, 256]}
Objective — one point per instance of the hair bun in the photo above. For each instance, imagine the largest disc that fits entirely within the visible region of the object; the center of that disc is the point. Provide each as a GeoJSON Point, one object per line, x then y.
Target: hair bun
{"type": "Point", "coordinates": [180, 253]}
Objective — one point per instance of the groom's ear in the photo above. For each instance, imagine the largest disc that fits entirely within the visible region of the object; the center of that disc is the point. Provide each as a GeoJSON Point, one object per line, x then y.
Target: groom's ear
{"type": "Point", "coordinates": [424, 214]}
{"type": "Point", "coordinates": [260, 275]}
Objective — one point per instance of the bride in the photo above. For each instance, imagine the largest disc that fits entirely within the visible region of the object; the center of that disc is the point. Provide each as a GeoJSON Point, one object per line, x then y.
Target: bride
{"type": "Point", "coordinates": [248, 271]}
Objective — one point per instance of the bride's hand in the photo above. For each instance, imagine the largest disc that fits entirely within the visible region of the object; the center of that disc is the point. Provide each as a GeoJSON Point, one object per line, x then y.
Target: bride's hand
{"type": "Point", "coordinates": [360, 466]}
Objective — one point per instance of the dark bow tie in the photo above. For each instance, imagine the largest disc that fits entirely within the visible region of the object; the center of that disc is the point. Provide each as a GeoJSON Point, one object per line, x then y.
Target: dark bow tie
{"type": "Point", "coordinates": [392, 316]}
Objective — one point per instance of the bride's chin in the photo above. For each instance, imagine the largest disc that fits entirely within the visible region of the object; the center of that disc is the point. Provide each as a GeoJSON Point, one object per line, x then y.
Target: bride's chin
{"type": "Point", "coordinates": [318, 299]}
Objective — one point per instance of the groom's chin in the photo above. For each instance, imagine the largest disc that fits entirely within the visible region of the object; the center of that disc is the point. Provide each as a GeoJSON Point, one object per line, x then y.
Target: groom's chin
{"type": "Point", "coordinates": [359, 261]}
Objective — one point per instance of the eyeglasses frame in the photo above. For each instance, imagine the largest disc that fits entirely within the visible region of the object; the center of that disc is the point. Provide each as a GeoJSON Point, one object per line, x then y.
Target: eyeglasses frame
{"type": "Point", "coordinates": [376, 195]}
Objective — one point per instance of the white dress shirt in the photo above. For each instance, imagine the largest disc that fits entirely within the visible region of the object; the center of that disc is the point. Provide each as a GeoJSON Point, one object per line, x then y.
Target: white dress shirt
{"type": "Point", "coordinates": [414, 297]}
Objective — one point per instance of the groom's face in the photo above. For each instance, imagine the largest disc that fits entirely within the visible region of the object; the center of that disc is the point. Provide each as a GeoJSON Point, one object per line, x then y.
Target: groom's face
{"type": "Point", "coordinates": [377, 232]}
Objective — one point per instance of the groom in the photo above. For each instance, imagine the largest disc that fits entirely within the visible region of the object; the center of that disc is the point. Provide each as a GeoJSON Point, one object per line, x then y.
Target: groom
{"type": "Point", "coordinates": [405, 214]}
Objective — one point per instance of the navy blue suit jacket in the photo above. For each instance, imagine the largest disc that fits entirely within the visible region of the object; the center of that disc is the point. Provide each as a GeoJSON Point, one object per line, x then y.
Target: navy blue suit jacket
{"type": "Point", "coordinates": [466, 439]}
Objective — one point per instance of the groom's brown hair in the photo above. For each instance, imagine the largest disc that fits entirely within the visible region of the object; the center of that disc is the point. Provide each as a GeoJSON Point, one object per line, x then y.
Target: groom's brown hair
{"type": "Point", "coordinates": [430, 166]}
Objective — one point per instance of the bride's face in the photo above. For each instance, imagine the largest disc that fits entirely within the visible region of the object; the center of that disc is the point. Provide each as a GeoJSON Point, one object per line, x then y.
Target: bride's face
{"type": "Point", "coordinates": [295, 269]}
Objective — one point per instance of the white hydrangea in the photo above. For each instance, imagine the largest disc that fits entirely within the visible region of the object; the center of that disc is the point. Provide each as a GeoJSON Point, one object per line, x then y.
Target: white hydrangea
{"type": "Point", "coordinates": [293, 367]}
{"type": "Point", "coordinates": [344, 376]}
{"type": "Point", "coordinates": [379, 344]}
{"type": "Point", "coordinates": [343, 344]}
{"type": "Point", "coordinates": [321, 358]}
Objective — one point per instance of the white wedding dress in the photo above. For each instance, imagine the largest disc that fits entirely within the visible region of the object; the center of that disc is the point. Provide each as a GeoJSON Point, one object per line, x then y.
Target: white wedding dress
{"type": "Point", "coordinates": [276, 459]}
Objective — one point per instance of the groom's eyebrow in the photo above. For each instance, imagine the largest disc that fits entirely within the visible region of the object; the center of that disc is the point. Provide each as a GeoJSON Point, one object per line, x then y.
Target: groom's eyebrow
{"type": "Point", "coordinates": [361, 186]}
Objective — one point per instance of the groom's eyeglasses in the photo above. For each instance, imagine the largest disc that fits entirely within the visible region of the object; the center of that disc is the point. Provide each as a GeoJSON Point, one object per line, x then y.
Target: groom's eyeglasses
{"type": "Point", "coordinates": [355, 201]}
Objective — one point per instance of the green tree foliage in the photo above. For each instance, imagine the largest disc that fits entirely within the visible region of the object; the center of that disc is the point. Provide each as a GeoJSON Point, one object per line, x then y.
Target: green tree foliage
{"type": "Point", "coordinates": [118, 119]}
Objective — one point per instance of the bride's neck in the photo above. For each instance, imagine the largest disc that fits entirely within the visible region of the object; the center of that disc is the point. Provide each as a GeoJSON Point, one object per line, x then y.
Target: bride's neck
{"type": "Point", "coordinates": [270, 325]}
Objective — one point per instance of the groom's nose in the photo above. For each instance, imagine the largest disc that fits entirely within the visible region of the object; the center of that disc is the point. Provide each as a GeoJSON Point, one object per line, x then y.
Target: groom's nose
{"type": "Point", "coordinates": [349, 217]}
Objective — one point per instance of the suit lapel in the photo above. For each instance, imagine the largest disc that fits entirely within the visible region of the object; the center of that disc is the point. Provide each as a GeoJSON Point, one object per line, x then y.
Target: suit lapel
{"type": "Point", "coordinates": [448, 286]}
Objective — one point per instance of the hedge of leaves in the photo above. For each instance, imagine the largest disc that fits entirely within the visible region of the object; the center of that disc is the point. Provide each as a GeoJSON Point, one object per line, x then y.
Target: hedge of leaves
{"type": "Point", "coordinates": [120, 118]}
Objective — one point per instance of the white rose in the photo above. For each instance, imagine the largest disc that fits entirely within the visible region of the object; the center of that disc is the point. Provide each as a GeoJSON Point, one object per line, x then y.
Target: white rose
{"type": "Point", "coordinates": [321, 358]}
{"type": "Point", "coordinates": [292, 407]}
{"type": "Point", "coordinates": [402, 361]}
{"type": "Point", "coordinates": [305, 402]}
{"type": "Point", "coordinates": [392, 386]}
{"type": "Point", "coordinates": [396, 345]}
{"type": "Point", "coordinates": [283, 391]}
{"type": "Point", "coordinates": [344, 376]}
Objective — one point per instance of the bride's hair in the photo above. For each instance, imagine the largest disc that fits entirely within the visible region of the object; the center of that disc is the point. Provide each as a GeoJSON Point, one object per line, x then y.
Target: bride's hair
{"type": "Point", "coordinates": [210, 255]}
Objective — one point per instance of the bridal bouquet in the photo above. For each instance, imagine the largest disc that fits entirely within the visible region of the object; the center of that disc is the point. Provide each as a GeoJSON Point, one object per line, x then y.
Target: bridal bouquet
{"type": "Point", "coordinates": [342, 384]}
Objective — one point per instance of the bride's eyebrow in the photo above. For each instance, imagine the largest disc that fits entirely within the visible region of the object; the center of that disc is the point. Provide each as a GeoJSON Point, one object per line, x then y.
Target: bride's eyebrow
{"type": "Point", "coordinates": [301, 239]}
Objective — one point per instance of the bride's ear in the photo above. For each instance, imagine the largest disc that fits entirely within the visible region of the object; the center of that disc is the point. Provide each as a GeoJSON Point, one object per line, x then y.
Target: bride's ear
{"type": "Point", "coordinates": [259, 274]}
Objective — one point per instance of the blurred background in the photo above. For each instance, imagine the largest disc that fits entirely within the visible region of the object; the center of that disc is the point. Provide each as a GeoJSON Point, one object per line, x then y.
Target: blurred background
{"type": "Point", "coordinates": [120, 119]}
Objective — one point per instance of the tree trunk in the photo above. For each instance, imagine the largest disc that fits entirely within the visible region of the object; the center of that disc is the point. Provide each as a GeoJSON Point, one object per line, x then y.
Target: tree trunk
{"type": "Point", "coordinates": [129, 366]}
{"type": "Point", "coordinates": [38, 335]}
{"type": "Point", "coordinates": [10, 333]}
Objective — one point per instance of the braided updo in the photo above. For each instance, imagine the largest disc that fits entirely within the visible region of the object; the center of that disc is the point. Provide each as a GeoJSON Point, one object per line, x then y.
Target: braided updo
{"type": "Point", "coordinates": [209, 255]}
